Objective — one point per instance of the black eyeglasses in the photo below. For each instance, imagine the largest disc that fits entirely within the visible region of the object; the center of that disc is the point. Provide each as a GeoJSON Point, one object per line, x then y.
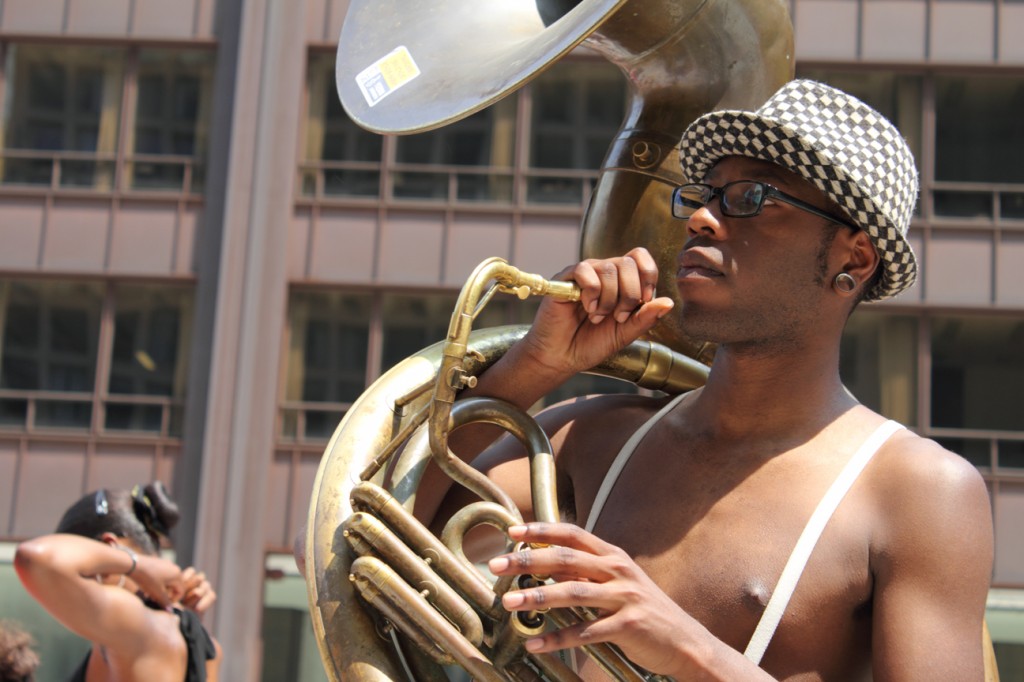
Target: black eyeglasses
{"type": "Point", "coordinates": [739, 199]}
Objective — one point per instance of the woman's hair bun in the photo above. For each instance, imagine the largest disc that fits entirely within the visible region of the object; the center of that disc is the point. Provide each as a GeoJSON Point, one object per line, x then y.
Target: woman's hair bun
{"type": "Point", "coordinates": [155, 508]}
{"type": "Point", "coordinates": [166, 508]}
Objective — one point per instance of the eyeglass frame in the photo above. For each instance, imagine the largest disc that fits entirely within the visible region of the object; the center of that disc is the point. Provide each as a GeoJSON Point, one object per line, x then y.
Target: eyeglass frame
{"type": "Point", "coordinates": [769, 191]}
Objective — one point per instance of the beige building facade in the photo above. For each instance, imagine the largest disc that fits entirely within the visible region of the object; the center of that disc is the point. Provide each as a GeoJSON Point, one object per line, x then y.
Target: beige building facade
{"type": "Point", "coordinates": [203, 262]}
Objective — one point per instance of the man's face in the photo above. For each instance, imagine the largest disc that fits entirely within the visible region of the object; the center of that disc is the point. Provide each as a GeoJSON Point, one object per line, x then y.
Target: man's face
{"type": "Point", "coordinates": [760, 278]}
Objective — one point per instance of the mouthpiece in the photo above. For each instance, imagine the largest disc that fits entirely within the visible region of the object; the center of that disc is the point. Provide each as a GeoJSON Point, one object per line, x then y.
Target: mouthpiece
{"type": "Point", "coordinates": [527, 284]}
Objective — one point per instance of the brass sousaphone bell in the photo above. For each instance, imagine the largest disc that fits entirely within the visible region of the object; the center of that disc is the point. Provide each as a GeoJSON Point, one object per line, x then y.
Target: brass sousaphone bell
{"type": "Point", "coordinates": [411, 66]}
{"type": "Point", "coordinates": [407, 67]}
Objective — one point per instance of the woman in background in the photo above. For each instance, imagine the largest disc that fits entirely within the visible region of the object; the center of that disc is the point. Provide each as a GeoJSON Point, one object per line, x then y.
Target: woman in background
{"type": "Point", "coordinates": [101, 575]}
{"type": "Point", "coordinates": [18, 659]}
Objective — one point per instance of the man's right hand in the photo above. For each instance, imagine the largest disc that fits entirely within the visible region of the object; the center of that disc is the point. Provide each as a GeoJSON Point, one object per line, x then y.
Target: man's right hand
{"type": "Point", "coordinates": [617, 305]}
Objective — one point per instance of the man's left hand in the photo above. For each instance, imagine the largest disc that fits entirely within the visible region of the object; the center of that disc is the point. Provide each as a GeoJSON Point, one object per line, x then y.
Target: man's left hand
{"type": "Point", "coordinates": [633, 613]}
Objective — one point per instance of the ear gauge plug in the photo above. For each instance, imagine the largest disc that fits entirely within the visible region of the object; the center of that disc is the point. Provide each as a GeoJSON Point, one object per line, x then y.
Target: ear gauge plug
{"type": "Point", "coordinates": [844, 283]}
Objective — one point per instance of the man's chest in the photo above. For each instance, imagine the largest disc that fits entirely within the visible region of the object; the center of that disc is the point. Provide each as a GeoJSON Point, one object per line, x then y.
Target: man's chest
{"type": "Point", "coordinates": [716, 539]}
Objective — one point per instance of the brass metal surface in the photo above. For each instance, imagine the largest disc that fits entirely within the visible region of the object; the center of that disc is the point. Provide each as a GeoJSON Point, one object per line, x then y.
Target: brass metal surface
{"type": "Point", "coordinates": [406, 67]}
{"type": "Point", "coordinates": [680, 59]}
{"type": "Point", "coordinates": [363, 545]}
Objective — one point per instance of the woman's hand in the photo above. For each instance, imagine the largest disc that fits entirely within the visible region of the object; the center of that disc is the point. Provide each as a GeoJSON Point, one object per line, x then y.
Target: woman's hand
{"type": "Point", "coordinates": [633, 613]}
{"type": "Point", "coordinates": [159, 579]}
{"type": "Point", "coordinates": [199, 594]}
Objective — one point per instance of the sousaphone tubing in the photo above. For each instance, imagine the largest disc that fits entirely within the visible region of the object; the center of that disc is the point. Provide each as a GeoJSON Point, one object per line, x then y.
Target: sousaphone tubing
{"type": "Point", "coordinates": [388, 600]}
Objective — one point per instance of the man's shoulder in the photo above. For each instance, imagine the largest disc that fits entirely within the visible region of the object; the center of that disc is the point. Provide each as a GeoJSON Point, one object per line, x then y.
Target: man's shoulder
{"type": "Point", "coordinates": [596, 426]}
{"type": "Point", "coordinates": [600, 408]}
{"type": "Point", "coordinates": [911, 459]}
{"type": "Point", "coordinates": [925, 491]}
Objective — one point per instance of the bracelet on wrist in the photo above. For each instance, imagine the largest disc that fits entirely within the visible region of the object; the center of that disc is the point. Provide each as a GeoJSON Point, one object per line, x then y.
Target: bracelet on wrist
{"type": "Point", "coordinates": [131, 553]}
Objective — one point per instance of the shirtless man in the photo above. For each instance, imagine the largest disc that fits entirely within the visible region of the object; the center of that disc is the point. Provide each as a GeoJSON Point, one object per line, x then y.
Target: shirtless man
{"type": "Point", "coordinates": [696, 530]}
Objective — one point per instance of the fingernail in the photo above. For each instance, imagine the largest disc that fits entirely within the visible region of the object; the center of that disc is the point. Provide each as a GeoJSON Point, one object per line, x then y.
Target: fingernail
{"type": "Point", "coordinates": [592, 306]}
{"type": "Point", "coordinates": [498, 564]}
{"type": "Point", "coordinates": [622, 317]}
{"type": "Point", "coordinates": [649, 293]}
{"type": "Point", "coordinates": [516, 531]}
{"type": "Point", "coordinates": [596, 319]}
{"type": "Point", "coordinates": [534, 644]}
{"type": "Point", "coordinates": [510, 600]}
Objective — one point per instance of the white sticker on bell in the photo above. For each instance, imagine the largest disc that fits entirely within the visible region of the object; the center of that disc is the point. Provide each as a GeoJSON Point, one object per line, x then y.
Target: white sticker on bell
{"type": "Point", "coordinates": [387, 74]}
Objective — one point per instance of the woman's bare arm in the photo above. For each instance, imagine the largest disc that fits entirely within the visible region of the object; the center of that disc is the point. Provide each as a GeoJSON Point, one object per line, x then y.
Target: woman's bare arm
{"type": "Point", "coordinates": [60, 572]}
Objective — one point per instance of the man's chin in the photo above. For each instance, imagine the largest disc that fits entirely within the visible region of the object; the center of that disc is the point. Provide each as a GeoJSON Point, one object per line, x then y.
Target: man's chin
{"type": "Point", "coordinates": [669, 332]}
{"type": "Point", "coordinates": [703, 325]}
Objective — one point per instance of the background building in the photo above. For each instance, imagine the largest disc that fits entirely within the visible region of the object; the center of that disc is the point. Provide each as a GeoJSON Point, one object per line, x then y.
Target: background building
{"type": "Point", "coordinates": [203, 263]}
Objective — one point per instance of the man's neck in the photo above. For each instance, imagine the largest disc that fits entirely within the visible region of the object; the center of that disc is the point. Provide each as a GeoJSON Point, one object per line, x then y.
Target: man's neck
{"type": "Point", "coordinates": [780, 394]}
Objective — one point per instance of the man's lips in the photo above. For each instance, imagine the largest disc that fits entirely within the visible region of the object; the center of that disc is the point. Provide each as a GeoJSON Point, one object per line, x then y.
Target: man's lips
{"type": "Point", "coordinates": [697, 264]}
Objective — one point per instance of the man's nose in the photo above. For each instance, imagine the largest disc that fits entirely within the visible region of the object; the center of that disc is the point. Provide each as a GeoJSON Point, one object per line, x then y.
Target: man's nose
{"type": "Point", "coordinates": [706, 220]}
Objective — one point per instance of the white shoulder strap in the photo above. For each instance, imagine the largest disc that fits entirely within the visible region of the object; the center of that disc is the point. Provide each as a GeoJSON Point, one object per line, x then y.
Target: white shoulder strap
{"type": "Point", "coordinates": [809, 538]}
{"type": "Point", "coordinates": [620, 462]}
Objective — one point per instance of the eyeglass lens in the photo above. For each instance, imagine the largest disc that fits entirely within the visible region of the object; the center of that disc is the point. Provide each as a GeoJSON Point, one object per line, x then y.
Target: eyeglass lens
{"type": "Point", "coordinates": [738, 199]}
{"type": "Point", "coordinates": [742, 198]}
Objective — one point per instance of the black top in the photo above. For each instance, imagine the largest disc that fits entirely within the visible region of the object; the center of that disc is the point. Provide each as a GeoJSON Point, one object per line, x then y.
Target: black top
{"type": "Point", "coordinates": [197, 640]}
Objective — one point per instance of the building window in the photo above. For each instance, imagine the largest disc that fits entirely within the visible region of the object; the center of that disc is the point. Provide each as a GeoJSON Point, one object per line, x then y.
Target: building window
{"type": "Point", "coordinates": [577, 110]}
{"type": "Point", "coordinates": [340, 342]}
{"type": "Point", "coordinates": [578, 107]}
{"type": "Point", "coordinates": [152, 330]}
{"type": "Point", "coordinates": [1011, 454]}
{"type": "Point", "coordinates": [58, 335]}
{"type": "Point", "coordinates": [62, 115]}
{"type": "Point", "coordinates": [172, 114]}
{"type": "Point", "coordinates": [50, 341]}
{"type": "Point", "coordinates": [977, 373]}
{"type": "Point", "coordinates": [327, 360]}
{"type": "Point", "coordinates": [341, 159]}
{"type": "Point", "coordinates": [413, 322]}
{"type": "Point", "coordinates": [878, 363]}
{"type": "Point", "coordinates": [65, 114]}
{"type": "Point", "coordinates": [966, 152]}
{"type": "Point", "coordinates": [484, 140]}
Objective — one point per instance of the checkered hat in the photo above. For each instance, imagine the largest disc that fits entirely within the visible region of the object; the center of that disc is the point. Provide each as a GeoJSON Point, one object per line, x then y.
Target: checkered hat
{"type": "Point", "coordinates": [842, 146]}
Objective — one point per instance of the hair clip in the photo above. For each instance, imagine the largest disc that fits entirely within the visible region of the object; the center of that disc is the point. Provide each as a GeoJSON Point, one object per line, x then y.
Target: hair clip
{"type": "Point", "coordinates": [100, 503]}
{"type": "Point", "coordinates": [146, 512]}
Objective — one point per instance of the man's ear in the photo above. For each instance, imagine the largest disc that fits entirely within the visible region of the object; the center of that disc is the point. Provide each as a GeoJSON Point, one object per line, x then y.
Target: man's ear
{"type": "Point", "coordinates": [856, 255]}
{"type": "Point", "coordinates": [110, 539]}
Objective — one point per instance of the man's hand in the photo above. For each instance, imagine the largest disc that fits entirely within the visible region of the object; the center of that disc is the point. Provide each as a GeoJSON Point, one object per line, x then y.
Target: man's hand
{"type": "Point", "coordinates": [617, 305]}
{"type": "Point", "coordinates": [634, 614]}
{"type": "Point", "coordinates": [199, 594]}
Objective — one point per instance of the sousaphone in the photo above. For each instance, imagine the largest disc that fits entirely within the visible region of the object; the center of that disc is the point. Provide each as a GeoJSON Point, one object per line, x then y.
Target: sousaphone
{"type": "Point", "coordinates": [388, 599]}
